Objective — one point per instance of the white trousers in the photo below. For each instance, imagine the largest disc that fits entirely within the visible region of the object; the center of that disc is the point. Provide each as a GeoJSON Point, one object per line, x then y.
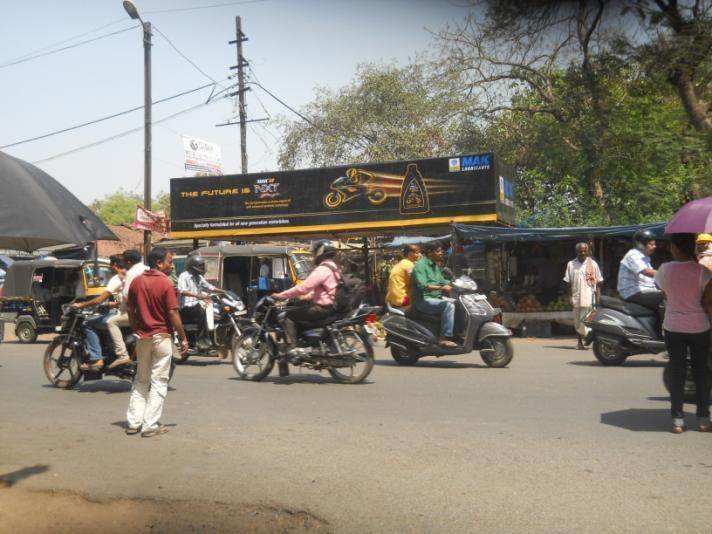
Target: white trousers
{"type": "Point", "coordinates": [114, 324]}
{"type": "Point", "coordinates": [151, 383]}
{"type": "Point", "coordinates": [580, 313]}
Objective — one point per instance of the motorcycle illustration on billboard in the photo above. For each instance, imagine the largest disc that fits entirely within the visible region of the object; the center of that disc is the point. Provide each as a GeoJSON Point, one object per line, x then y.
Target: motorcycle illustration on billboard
{"type": "Point", "coordinates": [357, 183]}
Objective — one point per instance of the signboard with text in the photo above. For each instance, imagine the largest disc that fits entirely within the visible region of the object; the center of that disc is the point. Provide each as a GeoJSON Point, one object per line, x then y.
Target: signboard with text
{"type": "Point", "coordinates": [351, 198]}
{"type": "Point", "coordinates": [202, 158]}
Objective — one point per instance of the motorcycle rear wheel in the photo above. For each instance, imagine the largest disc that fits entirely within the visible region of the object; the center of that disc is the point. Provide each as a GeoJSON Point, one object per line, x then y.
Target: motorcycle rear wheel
{"type": "Point", "coordinates": [252, 357]}
{"type": "Point", "coordinates": [403, 357]}
{"type": "Point", "coordinates": [502, 351]}
{"type": "Point", "coordinates": [360, 370]}
{"type": "Point", "coordinates": [607, 353]}
{"type": "Point", "coordinates": [61, 365]}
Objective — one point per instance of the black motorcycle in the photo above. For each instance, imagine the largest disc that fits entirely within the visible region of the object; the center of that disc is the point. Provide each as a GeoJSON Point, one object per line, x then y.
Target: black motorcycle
{"type": "Point", "coordinates": [338, 344]}
{"type": "Point", "coordinates": [67, 352]}
{"type": "Point", "coordinates": [223, 315]}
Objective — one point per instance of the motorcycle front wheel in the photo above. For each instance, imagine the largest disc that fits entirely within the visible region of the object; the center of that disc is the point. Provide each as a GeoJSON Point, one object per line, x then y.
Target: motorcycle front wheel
{"type": "Point", "coordinates": [497, 351]}
{"type": "Point", "coordinates": [362, 363]}
{"type": "Point", "coordinates": [608, 353]}
{"type": "Point", "coordinates": [61, 365]}
{"type": "Point", "coordinates": [252, 357]}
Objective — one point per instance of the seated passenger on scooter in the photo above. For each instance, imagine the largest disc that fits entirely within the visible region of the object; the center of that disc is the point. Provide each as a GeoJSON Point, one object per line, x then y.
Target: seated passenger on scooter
{"type": "Point", "coordinates": [113, 289]}
{"type": "Point", "coordinates": [399, 294]}
{"type": "Point", "coordinates": [319, 289]}
{"type": "Point", "coordinates": [192, 288]}
{"type": "Point", "coordinates": [429, 284]}
{"type": "Point", "coordinates": [636, 277]}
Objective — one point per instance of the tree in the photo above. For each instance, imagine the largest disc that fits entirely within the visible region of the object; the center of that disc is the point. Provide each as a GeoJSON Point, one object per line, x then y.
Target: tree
{"type": "Point", "coordinates": [387, 113]}
{"type": "Point", "coordinates": [120, 207]}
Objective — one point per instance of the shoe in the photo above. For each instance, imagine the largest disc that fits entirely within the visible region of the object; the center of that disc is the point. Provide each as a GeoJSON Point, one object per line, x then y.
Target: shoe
{"type": "Point", "coordinates": [447, 344]}
{"type": "Point", "coordinates": [704, 425]}
{"type": "Point", "coordinates": [580, 345]}
{"type": "Point", "coordinates": [92, 366]}
{"type": "Point", "coordinates": [130, 430]}
{"type": "Point", "coordinates": [119, 361]}
{"type": "Point", "coordinates": [677, 429]}
{"type": "Point", "coordinates": [155, 431]}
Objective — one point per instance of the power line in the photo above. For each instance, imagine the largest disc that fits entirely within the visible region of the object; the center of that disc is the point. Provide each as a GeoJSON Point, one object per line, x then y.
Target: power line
{"type": "Point", "coordinates": [57, 50]}
{"type": "Point", "coordinates": [122, 19]}
{"type": "Point", "coordinates": [174, 10]}
{"type": "Point", "coordinates": [181, 54]}
{"type": "Point", "coordinates": [126, 132]}
{"type": "Point", "coordinates": [106, 118]}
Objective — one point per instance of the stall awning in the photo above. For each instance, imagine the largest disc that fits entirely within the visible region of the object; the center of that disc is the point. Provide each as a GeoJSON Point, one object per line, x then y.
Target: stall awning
{"type": "Point", "coordinates": [502, 234]}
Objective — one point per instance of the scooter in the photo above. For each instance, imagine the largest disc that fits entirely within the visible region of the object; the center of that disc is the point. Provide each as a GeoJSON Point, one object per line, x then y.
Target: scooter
{"type": "Point", "coordinates": [415, 335]}
{"type": "Point", "coordinates": [621, 329]}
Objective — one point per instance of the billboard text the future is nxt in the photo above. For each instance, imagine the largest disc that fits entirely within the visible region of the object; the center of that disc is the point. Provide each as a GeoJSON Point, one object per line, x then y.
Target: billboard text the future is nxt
{"type": "Point", "coordinates": [417, 193]}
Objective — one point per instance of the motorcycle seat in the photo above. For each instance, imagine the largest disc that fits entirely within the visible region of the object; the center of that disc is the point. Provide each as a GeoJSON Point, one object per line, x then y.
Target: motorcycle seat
{"type": "Point", "coordinates": [629, 308]}
{"type": "Point", "coordinates": [419, 316]}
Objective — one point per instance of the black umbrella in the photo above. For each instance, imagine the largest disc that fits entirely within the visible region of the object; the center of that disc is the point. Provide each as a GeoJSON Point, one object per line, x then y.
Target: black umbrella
{"type": "Point", "coordinates": [37, 211]}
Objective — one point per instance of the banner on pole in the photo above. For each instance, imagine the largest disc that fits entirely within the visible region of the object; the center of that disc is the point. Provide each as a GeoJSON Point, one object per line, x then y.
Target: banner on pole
{"type": "Point", "coordinates": [152, 221]}
{"type": "Point", "coordinates": [202, 158]}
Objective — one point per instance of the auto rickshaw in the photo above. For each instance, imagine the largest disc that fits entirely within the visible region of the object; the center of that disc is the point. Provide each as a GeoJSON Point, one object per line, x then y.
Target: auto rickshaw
{"type": "Point", "coordinates": [237, 268]}
{"type": "Point", "coordinates": [35, 291]}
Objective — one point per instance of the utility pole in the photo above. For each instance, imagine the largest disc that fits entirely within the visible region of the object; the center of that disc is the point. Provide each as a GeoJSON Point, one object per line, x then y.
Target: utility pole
{"type": "Point", "coordinates": [147, 133]}
{"type": "Point", "coordinates": [241, 63]}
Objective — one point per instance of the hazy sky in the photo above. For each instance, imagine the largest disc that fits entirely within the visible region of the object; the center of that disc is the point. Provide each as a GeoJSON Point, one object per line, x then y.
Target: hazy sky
{"type": "Point", "coordinates": [294, 46]}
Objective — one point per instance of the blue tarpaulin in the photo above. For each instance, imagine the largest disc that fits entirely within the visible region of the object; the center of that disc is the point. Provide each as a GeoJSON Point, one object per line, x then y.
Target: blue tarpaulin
{"type": "Point", "coordinates": [503, 234]}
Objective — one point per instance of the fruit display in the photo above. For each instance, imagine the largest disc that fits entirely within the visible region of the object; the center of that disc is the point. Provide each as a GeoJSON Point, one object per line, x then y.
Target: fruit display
{"type": "Point", "coordinates": [499, 302]}
{"type": "Point", "coordinates": [562, 303]}
{"type": "Point", "coordinates": [528, 304]}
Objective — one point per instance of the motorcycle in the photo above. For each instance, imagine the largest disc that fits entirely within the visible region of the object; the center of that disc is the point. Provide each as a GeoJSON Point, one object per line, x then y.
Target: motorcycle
{"type": "Point", "coordinates": [222, 316]}
{"type": "Point", "coordinates": [620, 329]}
{"type": "Point", "coordinates": [415, 335]}
{"type": "Point", "coordinates": [356, 183]}
{"type": "Point", "coordinates": [338, 344]}
{"type": "Point", "coordinates": [66, 353]}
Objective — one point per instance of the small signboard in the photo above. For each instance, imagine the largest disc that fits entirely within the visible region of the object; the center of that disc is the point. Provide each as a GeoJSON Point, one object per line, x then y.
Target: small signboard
{"type": "Point", "coordinates": [352, 198]}
{"type": "Point", "coordinates": [202, 158]}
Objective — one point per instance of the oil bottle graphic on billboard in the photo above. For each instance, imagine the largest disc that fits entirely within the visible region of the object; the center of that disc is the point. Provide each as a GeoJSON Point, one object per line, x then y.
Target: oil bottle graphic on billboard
{"type": "Point", "coordinates": [414, 195]}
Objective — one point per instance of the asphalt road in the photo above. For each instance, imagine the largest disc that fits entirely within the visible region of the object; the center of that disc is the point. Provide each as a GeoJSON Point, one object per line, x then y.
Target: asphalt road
{"type": "Point", "coordinates": [554, 443]}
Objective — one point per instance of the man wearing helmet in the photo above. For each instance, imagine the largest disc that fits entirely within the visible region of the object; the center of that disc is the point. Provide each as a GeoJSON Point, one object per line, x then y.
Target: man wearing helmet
{"type": "Point", "coordinates": [319, 289]}
{"type": "Point", "coordinates": [704, 250]}
{"type": "Point", "coordinates": [636, 277]}
{"type": "Point", "coordinates": [192, 288]}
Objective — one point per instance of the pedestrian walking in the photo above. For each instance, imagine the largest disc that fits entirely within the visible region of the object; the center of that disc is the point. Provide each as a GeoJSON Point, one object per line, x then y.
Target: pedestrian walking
{"type": "Point", "coordinates": [153, 312]}
{"type": "Point", "coordinates": [687, 287]}
{"type": "Point", "coordinates": [584, 279]}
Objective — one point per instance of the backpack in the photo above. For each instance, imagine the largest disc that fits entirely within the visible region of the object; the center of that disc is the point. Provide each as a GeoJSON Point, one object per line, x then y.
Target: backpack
{"type": "Point", "coordinates": [350, 291]}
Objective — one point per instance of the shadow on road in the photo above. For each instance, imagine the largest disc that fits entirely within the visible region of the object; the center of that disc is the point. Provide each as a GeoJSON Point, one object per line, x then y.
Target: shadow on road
{"type": "Point", "coordinates": [628, 363]}
{"type": "Point", "coordinates": [201, 363]}
{"type": "Point", "coordinates": [639, 419]}
{"type": "Point", "coordinates": [104, 386]}
{"type": "Point", "coordinates": [312, 379]}
{"type": "Point", "coordinates": [434, 364]}
{"type": "Point", "coordinates": [10, 479]}
{"type": "Point", "coordinates": [666, 399]}
{"type": "Point", "coordinates": [563, 347]}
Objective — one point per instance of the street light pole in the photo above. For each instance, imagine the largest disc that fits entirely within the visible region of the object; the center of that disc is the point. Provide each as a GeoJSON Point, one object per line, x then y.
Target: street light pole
{"type": "Point", "coordinates": [133, 13]}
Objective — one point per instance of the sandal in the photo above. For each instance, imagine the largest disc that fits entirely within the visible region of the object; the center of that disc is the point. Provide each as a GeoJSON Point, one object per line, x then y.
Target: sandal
{"type": "Point", "coordinates": [704, 425]}
{"type": "Point", "coordinates": [92, 366]}
{"type": "Point", "coordinates": [160, 429]}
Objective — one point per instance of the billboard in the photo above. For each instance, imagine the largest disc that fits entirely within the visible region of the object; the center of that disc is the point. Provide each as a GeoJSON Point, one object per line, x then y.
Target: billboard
{"type": "Point", "coordinates": [351, 198]}
{"type": "Point", "coordinates": [202, 158]}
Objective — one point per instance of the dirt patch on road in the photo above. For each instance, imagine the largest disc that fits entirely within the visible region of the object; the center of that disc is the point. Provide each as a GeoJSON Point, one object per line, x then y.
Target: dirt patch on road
{"type": "Point", "coordinates": [61, 511]}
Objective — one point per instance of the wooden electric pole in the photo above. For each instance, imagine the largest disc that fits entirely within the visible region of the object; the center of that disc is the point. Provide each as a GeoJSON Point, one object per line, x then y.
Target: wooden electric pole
{"type": "Point", "coordinates": [241, 63]}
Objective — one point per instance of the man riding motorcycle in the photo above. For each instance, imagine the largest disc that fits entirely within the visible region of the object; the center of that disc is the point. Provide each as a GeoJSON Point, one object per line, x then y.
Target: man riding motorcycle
{"type": "Point", "coordinates": [399, 280]}
{"type": "Point", "coordinates": [319, 289]}
{"type": "Point", "coordinates": [636, 277]}
{"type": "Point", "coordinates": [192, 288]}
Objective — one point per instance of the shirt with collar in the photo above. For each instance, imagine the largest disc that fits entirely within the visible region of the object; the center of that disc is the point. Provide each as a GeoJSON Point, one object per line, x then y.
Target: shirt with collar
{"type": "Point", "coordinates": [427, 273]}
{"type": "Point", "coordinates": [630, 277]}
{"type": "Point", "coordinates": [192, 283]}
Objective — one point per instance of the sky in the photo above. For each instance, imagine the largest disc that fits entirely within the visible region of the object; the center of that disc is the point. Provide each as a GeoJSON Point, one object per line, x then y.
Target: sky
{"type": "Point", "coordinates": [294, 47]}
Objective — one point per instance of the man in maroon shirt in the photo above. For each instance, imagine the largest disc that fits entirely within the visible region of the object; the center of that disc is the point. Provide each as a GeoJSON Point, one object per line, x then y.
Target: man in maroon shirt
{"type": "Point", "coordinates": [153, 313]}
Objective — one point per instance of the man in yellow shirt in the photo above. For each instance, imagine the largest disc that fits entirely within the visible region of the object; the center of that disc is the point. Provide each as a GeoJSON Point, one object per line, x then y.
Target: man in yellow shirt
{"type": "Point", "coordinates": [399, 279]}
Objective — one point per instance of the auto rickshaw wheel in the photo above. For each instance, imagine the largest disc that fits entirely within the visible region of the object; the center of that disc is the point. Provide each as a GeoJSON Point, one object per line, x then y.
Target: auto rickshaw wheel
{"type": "Point", "coordinates": [377, 197]}
{"type": "Point", "coordinates": [61, 364]}
{"type": "Point", "coordinates": [333, 199]}
{"type": "Point", "coordinates": [26, 333]}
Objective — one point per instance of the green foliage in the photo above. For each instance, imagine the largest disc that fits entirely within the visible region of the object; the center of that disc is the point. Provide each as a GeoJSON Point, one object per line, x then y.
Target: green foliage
{"type": "Point", "coordinates": [120, 207]}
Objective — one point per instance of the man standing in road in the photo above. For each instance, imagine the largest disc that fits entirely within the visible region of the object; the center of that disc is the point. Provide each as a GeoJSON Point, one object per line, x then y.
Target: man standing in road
{"type": "Point", "coordinates": [429, 284]}
{"type": "Point", "coordinates": [399, 293]}
{"type": "Point", "coordinates": [153, 311]}
{"type": "Point", "coordinates": [584, 278]}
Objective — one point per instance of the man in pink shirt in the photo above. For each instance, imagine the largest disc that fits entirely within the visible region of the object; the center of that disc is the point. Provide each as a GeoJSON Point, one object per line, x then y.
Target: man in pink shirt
{"type": "Point", "coordinates": [319, 289]}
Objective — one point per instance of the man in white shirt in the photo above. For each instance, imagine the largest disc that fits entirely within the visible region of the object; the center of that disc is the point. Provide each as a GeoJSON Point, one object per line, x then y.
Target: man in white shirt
{"type": "Point", "coordinates": [636, 277]}
{"type": "Point", "coordinates": [192, 288]}
{"type": "Point", "coordinates": [584, 278]}
{"type": "Point", "coordinates": [113, 289]}
{"type": "Point", "coordinates": [134, 268]}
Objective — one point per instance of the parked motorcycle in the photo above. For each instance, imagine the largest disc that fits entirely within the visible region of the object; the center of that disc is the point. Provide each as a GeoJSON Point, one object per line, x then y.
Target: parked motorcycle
{"type": "Point", "coordinates": [222, 316]}
{"type": "Point", "coordinates": [415, 335]}
{"type": "Point", "coordinates": [620, 329]}
{"type": "Point", "coordinates": [67, 352]}
{"type": "Point", "coordinates": [339, 345]}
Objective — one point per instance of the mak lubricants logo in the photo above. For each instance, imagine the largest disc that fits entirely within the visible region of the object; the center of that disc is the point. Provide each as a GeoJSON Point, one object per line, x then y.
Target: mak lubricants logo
{"type": "Point", "coordinates": [477, 162]}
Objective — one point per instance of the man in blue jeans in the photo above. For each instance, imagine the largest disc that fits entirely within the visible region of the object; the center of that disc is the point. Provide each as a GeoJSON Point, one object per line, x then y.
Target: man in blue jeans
{"type": "Point", "coordinates": [429, 284]}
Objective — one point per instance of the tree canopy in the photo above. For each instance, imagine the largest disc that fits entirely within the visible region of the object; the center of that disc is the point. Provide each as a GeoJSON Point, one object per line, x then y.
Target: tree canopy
{"type": "Point", "coordinates": [120, 207]}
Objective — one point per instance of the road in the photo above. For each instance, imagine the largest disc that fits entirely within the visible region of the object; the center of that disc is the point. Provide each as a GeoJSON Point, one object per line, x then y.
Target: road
{"type": "Point", "coordinates": [554, 443]}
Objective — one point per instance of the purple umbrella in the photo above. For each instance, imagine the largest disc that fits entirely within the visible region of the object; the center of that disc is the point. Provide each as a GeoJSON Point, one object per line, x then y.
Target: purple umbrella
{"type": "Point", "coordinates": [693, 218]}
